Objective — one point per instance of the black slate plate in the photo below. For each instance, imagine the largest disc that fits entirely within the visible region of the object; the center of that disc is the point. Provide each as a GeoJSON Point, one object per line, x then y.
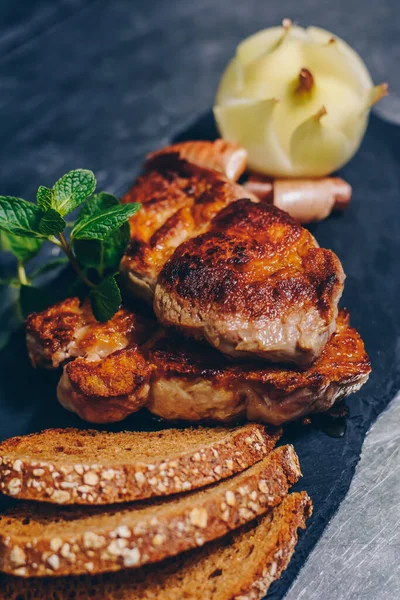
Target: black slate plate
{"type": "Point", "coordinates": [367, 240]}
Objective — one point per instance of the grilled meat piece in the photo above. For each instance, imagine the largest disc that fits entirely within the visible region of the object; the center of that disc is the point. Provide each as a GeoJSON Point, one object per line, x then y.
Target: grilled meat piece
{"type": "Point", "coordinates": [226, 157]}
{"type": "Point", "coordinates": [182, 379]}
{"type": "Point", "coordinates": [108, 389]}
{"type": "Point", "coordinates": [247, 279]}
{"type": "Point", "coordinates": [179, 200]}
{"type": "Point", "coordinates": [256, 284]}
{"type": "Point", "coordinates": [50, 334]}
{"type": "Point", "coordinates": [195, 383]}
{"type": "Point", "coordinates": [109, 378]}
{"type": "Point", "coordinates": [68, 329]}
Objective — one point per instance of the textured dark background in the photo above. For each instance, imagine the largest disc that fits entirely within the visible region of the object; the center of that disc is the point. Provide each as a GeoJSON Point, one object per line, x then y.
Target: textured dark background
{"type": "Point", "coordinates": [98, 83]}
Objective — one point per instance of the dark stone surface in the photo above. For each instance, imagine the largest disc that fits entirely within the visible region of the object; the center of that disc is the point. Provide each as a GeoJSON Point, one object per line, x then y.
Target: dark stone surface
{"type": "Point", "coordinates": [97, 84]}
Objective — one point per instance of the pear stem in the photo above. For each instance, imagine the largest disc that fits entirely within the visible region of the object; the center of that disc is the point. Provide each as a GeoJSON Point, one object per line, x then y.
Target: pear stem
{"type": "Point", "coordinates": [306, 81]}
{"type": "Point", "coordinates": [378, 92]}
{"type": "Point", "coordinates": [321, 113]}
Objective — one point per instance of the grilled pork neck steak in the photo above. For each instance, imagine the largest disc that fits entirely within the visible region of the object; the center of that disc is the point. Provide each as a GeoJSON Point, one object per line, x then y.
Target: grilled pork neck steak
{"type": "Point", "coordinates": [182, 379]}
{"type": "Point", "coordinates": [68, 330]}
{"type": "Point", "coordinates": [105, 377]}
{"type": "Point", "coordinates": [106, 390]}
{"type": "Point", "coordinates": [195, 383]}
{"type": "Point", "coordinates": [179, 200]}
{"type": "Point", "coordinates": [256, 284]}
{"type": "Point", "coordinates": [242, 275]}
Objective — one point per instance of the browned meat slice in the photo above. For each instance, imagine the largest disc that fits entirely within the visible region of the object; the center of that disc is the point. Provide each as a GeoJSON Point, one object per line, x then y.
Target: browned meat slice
{"type": "Point", "coordinates": [106, 390]}
{"type": "Point", "coordinates": [50, 334]}
{"type": "Point", "coordinates": [68, 329]}
{"type": "Point", "coordinates": [182, 379]}
{"type": "Point", "coordinates": [256, 284]}
{"type": "Point", "coordinates": [179, 200]}
{"type": "Point", "coordinates": [225, 157]}
{"type": "Point", "coordinates": [196, 383]}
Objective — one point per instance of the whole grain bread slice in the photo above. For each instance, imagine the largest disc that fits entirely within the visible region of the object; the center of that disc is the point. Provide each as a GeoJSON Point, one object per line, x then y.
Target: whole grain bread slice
{"type": "Point", "coordinates": [46, 540]}
{"type": "Point", "coordinates": [72, 466]}
{"type": "Point", "coordinates": [240, 566]}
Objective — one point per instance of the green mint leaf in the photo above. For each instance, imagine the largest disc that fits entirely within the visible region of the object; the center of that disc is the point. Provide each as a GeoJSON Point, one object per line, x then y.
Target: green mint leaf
{"type": "Point", "coordinates": [44, 197]}
{"type": "Point", "coordinates": [88, 252]}
{"type": "Point", "coordinates": [105, 299]}
{"type": "Point", "coordinates": [20, 217]}
{"type": "Point", "coordinates": [102, 224]}
{"type": "Point", "coordinates": [115, 246]}
{"type": "Point", "coordinates": [95, 253]}
{"type": "Point", "coordinates": [97, 203]}
{"type": "Point", "coordinates": [91, 253]}
{"type": "Point", "coordinates": [32, 299]}
{"type": "Point", "coordinates": [51, 223]}
{"type": "Point", "coordinates": [73, 189]}
{"type": "Point", "coordinates": [49, 266]}
{"type": "Point", "coordinates": [23, 248]}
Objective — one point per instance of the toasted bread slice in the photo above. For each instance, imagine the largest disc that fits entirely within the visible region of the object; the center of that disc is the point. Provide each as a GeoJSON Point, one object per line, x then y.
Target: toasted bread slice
{"type": "Point", "coordinates": [44, 540]}
{"type": "Point", "coordinates": [72, 466]}
{"type": "Point", "coordinates": [214, 572]}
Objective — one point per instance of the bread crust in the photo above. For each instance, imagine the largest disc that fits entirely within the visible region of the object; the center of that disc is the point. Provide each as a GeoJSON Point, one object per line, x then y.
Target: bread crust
{"type": "Point", "coordinates": [60, 478]}
{"type": "Point", "coordinates": [290, 516]}
{"type": "Point", "coordinates": [45, 540]}
{"type": "Point", "coordinates": [210, 572]}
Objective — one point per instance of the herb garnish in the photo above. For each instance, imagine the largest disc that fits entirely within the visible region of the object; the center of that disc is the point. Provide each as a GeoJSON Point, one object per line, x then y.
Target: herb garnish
{"type": "Point", "coordinates": [94, 243]}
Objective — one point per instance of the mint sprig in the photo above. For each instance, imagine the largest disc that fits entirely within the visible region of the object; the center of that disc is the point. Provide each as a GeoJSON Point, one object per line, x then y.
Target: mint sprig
{"type": "Point", "coordinates": [23, 248]}
{"type": "Point", "coordinates": [105, 298]}
{"type": "Point", "coordinates": [51, 223]}
{"type": "Point", "coordinates": [71, 190]}
{"type": "Point", "coordinates": [44, 197]}
{"type": "Point", "coordinates": [99, 225]}
{"type": "Point", "coordinates": [93, 244]}
{"type": "Point", "coordinates": [101, 254]}
{"type": "Point", "coordinates": [20, 217]}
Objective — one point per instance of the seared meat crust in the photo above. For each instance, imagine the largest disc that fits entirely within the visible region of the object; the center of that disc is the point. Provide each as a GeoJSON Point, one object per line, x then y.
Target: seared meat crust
{"type": "Point", "coordinates": [50, 332]}
{"type": "Point", "coordinates": [106, 390]}
{"type": "Point", "coordinates": [196, 383]}
{"type": "Point", "coordinates": [68, 329]}
{"type": "Point", "coordinates": [179, 199]}
{"type": "Point", "coordinates": [182, 379]}
{"type": "Point", "coordinates": [255, 284]}
{"type": "Point", "coordinates": [226, 157]}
